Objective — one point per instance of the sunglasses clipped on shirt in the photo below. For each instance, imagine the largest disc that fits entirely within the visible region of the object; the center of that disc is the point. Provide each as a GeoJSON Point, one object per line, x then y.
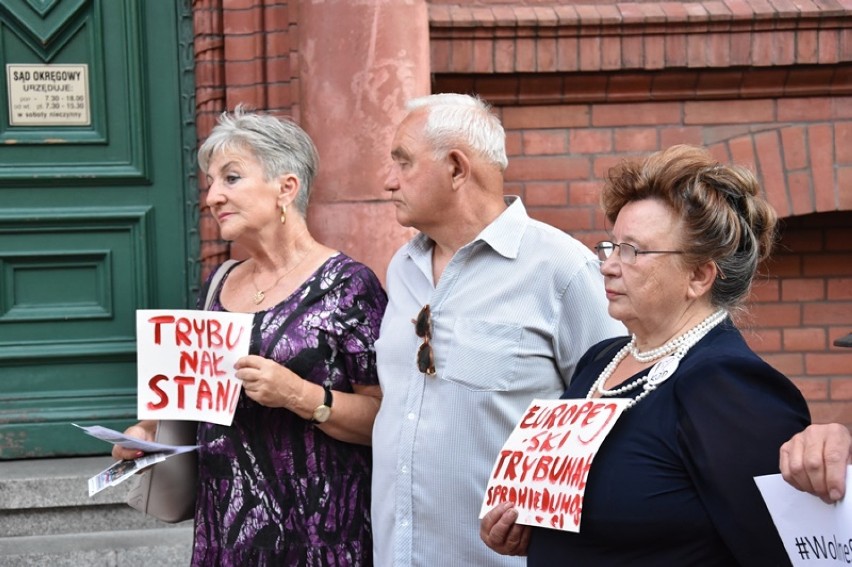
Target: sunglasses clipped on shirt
{"type": "Point", "coordinates": [423, 329]}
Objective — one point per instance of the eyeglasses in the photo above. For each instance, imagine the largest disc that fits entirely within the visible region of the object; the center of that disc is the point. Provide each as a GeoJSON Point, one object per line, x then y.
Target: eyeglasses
{"type": "Point", "coordinates": [423, 329]}
{"type": "Point", "coordinates": [626, 252]}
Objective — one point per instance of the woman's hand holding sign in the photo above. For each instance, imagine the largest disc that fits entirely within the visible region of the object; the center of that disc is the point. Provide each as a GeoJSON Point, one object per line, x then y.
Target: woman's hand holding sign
{"type": "Point", "coordinates": [274, 385]}
{"type": "Point", "coordinates": [271, 384]}
{"type": "Point", "coordinates": [499, 531]}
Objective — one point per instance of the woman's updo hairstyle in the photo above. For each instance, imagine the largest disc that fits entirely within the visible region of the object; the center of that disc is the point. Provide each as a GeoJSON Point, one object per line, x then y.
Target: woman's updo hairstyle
{"type": "Point", "coordinates": [724, 218]}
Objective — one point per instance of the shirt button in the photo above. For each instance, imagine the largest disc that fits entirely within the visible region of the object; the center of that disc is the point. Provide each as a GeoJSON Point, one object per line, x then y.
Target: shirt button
{"type": "Point", "coordinates": [404, 523]}
{"type": "Point", "coordinates": [404, 469]}
{"type": "Point", "coordinates": [411, 416]}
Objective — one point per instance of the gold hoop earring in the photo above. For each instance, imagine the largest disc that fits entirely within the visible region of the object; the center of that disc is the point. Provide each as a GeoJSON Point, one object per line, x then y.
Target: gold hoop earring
{"type": "Point", "coordinates": [283, 214]}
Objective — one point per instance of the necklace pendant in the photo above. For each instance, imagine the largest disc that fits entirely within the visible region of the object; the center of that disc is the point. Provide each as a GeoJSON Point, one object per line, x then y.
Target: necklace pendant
{"type": "Point", "coordinates": [258, 297]}
{"type": "Point", "coordinates": [661, 371]}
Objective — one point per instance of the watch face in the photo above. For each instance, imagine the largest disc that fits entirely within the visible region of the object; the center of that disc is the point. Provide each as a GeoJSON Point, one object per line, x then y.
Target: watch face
{"type": "Point", "coordinates": [321, 414]}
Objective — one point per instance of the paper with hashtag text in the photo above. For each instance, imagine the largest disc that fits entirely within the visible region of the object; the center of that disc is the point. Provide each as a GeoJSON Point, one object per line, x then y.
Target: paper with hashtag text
{"type": "Point", "coordinates": [814, 533]}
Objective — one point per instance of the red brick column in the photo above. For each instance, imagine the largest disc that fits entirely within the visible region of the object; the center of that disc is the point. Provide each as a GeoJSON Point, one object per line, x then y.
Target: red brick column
{"type": "Point", "coordinates": [359, 62]}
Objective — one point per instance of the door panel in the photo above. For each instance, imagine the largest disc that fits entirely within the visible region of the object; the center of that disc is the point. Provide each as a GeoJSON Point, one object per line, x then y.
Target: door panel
{"type": "Point", "coordinates": [93, 215]}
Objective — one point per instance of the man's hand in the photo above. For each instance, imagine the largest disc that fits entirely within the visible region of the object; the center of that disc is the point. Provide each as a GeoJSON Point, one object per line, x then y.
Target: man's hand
{"type": "Point", "coordinates": [815, 460]}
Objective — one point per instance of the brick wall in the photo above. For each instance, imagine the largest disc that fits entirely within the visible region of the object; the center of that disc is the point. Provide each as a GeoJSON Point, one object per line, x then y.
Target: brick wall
{"type": "Point", "coordinates": [803, 301]}
{"type": "Point", "coordinates": [804, 305]}
{"type": "Point", "coordinates": [799, 147]}
{"type": "Point", "coordinates": [581, 85]}
{"type": "Point", "coordinates": [245, 53]}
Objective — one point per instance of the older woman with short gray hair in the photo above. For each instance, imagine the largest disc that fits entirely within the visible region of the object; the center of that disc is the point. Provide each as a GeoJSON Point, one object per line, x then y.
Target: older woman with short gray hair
{"type": "Point", "coordinates": [288, 483]}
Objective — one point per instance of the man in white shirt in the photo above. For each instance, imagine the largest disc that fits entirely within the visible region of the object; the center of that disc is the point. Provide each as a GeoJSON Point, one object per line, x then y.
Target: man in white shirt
{"type": "Point", "coordinates": [487, 310]}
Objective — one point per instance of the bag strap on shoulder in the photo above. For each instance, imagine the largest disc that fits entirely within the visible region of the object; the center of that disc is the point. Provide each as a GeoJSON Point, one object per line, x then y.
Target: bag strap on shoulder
{"type": "Point", "coordinates": [214, 282]}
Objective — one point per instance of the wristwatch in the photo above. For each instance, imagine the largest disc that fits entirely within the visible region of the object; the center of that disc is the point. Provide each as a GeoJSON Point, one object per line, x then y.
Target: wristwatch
{"type": "Point", "coordinates": [323, 412]}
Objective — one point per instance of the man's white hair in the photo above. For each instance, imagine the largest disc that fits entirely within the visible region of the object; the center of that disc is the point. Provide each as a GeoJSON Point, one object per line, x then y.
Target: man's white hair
{"type": "Point", "coordinates": [454, 119]}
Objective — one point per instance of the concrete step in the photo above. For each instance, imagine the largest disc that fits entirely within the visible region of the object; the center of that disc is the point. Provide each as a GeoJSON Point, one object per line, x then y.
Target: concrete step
{"type": "Point", "coordinates": [48, 518]}
{"type": "Point", "coordinates": [165, 547]}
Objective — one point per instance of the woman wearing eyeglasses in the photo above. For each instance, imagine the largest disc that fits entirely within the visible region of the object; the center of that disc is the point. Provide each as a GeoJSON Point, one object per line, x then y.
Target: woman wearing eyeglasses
{"type": "Point", "coordinates": [673, 482]}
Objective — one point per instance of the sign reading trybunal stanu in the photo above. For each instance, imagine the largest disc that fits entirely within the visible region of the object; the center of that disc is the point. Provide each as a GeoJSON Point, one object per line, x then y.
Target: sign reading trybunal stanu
{"type": "Point", "coordinates": [186, 363]}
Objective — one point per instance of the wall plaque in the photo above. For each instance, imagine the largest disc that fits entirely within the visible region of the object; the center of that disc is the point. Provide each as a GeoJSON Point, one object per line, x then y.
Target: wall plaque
{"type": "Point", "coordinates": [48, 95]}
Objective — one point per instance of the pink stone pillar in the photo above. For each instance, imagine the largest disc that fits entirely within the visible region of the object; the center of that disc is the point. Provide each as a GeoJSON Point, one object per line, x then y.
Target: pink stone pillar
{"type": "Point", "coordinates": [360, 60]}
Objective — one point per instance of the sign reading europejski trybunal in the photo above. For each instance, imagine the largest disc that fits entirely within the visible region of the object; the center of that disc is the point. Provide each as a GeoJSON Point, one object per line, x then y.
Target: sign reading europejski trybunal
{"type": "Point", "coordinates": [543, 465]}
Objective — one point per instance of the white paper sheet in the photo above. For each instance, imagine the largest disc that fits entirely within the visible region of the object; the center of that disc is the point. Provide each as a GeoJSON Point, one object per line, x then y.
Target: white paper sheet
{"type": "Point", "coordinates": [814, 533]}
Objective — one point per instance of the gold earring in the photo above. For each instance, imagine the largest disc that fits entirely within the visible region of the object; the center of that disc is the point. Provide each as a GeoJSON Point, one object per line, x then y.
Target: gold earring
{"type": "Point", "coordinates": [283, 214]}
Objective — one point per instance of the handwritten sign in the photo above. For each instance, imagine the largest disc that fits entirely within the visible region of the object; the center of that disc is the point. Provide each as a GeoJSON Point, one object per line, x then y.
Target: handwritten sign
{"type": "Point", "coordinates": [186, 363]}
{"type": "Point", "coordinates": [544, 464]}
{"type": "Point", "coordinates": [813, 532]}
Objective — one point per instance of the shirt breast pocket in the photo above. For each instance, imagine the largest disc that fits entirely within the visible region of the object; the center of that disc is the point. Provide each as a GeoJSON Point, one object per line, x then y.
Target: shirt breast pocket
{"type": "Point", "coordinates": [483, 355]}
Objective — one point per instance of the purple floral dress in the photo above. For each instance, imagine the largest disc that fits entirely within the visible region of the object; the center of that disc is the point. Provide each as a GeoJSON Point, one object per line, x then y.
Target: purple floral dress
{"type": "Point", "coordinates": [273, 488]}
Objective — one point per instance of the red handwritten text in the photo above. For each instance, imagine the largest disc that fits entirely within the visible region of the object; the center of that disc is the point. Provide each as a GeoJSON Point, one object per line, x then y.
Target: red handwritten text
{"type": "Point", "coordinates": [592, 417]}
{"type": "Point", "coordinates": [197, 333]}
{"type": "Point", "coordinates": [198, 389]}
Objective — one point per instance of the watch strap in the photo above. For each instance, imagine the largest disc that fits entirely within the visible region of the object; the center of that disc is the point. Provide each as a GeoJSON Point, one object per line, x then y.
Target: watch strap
{"type": "Point", "coordinates": [325, 408]}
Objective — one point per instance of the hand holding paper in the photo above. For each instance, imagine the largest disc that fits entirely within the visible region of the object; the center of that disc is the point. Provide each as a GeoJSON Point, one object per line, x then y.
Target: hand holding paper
{"type": "Point", "coordinates": [813, 532]}
{"type": "Point", "coordinates": [543, 465]}
{"type": "Point", "coordinates": [120, 471]}
{"type": "Point", "coordinates": [501, 532]}
{"type": "Point", "coordinates": [116, 438]}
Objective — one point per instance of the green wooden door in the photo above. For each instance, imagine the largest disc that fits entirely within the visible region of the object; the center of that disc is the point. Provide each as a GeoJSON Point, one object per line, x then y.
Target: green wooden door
{"type": "Point", "coordinates": [97, 208]}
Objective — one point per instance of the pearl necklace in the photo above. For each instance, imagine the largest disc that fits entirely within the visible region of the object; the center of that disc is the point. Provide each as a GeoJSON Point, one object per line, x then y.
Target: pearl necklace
{"type": "Point", "coordinates": [673, 344]}
{"type": "Point", "coordinates": [663, 369]}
